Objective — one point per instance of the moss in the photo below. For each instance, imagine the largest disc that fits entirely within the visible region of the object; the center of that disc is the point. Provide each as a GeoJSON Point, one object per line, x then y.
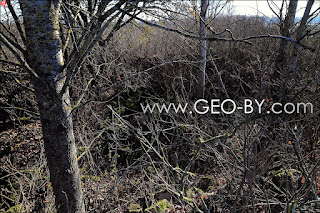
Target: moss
{"type": "Point", "coordinates": [133, 207]}
{"type": "Point", "coordinates": [284, 178]}
{"type": "Point", "coordinates": [160, 206]}
{"type": "Point", "coordinates": [130, 102]}
{"type": "Point", "coordinates": [151, 169]}
{"type": "Point", "coordinates": [24, 118]}
{"type": "Point", "coordinates": [126, 149]}
{"type": "Point", "coordinates": [136, 181]}
{"type": "Point", "coordinates": [15, 209]}
{"type": "Point", "coordinates": [190, 193]}
{"type": "Point", "coordinates": [283, 172]}
{"type": "Point", "coordinates": [120, 109]}
{"type": "Point", "coordinates": [83, 169]}
{"type": "Point", "coordinates": [89, 177]}
{"type": "Point", "coordinates": [194, 193]}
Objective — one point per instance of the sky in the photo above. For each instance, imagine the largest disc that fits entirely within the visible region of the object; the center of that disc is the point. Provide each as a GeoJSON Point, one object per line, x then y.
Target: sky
{"type": "Point", "coordinates": [243, 7]}
{"type": "Point", "coordinates": [254, 7]}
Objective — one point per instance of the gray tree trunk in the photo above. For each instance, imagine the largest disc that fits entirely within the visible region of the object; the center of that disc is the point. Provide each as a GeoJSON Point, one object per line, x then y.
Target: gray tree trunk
{"type": "Point", "coordinates": [285, 29]}
{"type": "Point", "coordinates": [299, 35]}
{"type": "Point", "coordinates": [203, 47]}
{"type": "Point", "coordinates": [44, 55]}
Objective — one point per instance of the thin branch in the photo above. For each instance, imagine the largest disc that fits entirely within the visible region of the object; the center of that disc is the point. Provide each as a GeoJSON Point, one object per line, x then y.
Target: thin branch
{"type": "Point", "coordinates": [17, 22]}
{"type": "Point", "coordinates": [274, 12]}
{"type": "Point", "coordinates": [10, 62]}
{"type": "Point", "coordinates": [313, 33]}
{"type": "Point", "coordinates": [85, 51]}
{"type": "Point", "coordinates": [107, 14]}
{"type": "Point", "coordinates": [314, 12]}
{"type": "Point", "coordinates": [9, 31]}
{"type": "Point", "coordinates": [118, 26]}
{"type": "Point", "coordinates": [70, 31]}
{"type": "Point", "coordinates": [80, 9]}
{"type": "Point", "coordinates": [18, 56]}
{"type": "Point", "coordinates": [88, 38]}
{"type": "Point", "coordinates": [16, 45]}
{"type": "Point", "coordinates": [281, 37]}
{"type": "Point", "coordinates": [16, 80]}
{"type": "Point", "coordinates": [22, 109]}
{"type": "Point", "coordinates": [87, 87]}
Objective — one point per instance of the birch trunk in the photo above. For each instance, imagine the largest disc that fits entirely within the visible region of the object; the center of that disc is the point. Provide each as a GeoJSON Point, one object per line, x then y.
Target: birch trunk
{"type": "Point", "coordinates": [44, 55]}
{"type": "Point", "coordinates": [203, 47]}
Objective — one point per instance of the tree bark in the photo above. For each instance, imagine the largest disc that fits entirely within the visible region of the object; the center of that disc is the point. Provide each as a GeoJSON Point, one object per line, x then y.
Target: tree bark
{"type": "Point", "coordinates": [301, 29]}
{"type": "Point", "coordinates": [285, 29]}
{"type": "Point", "coordinates": [203, 49]}
{"type": "Point", "coordinates": [44, 55]}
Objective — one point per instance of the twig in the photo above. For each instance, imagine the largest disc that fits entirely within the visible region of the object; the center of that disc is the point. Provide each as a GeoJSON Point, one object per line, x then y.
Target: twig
{"type": "Point", "coordinates": [18, 56]}
{"type": "Point", "coordinates": [11, 74]}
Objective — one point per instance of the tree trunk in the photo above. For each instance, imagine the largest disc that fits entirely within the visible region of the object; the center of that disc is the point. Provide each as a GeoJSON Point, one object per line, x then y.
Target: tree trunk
{"type": "Point", "coordinates": [299, 35]}
{"type": "Point", "coordinates": [286, 28]}
{"type": "Point", "coordinates": [44, 55]}
{"type": "Point", "coordinates": [203, 49]}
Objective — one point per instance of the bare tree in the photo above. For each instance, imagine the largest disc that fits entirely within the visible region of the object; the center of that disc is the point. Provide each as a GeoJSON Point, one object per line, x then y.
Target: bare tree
{"type": "Point", "coordinates": [300, 34]}
{"type": "Point", "coordinates": [44, 54]}
{"type": "Point", "coordinates": [286, 28]}
{"type": "Point", "coordinates": [202, 50]}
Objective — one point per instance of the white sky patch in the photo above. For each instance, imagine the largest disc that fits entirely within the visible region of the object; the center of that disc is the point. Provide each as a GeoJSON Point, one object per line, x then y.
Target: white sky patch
{"type": "Point", "coordinates": [261, 7]}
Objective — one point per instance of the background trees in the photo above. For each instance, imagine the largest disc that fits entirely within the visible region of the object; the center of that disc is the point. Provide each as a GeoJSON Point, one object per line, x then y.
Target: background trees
{"type": "Point", "coordinates": [85, 61]}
